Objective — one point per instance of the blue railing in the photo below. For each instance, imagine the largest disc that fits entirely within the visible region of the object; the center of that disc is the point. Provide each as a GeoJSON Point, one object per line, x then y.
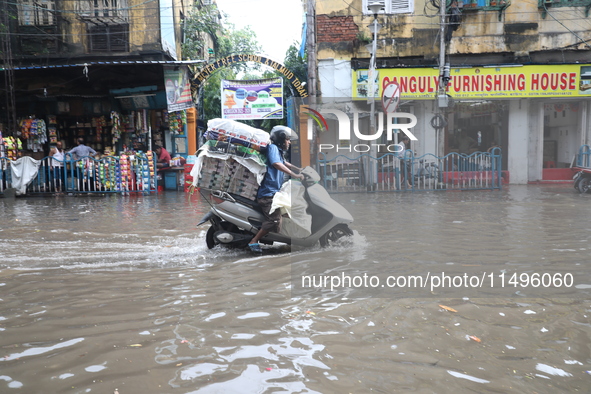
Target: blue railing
{"type": "Point", "coordinates": [390, 172]}
{"type": "Point", "coordinates": [110, 174]}
{"type": "Point", "coordinates": [584, 156]}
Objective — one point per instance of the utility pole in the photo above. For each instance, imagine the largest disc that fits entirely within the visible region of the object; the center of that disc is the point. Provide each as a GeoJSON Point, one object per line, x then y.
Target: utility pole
{"type": "Point", "coordinates": [442, 84]}
{"type": "Point", "coordinates": [311, 46]}
{"type": "Point", "coordinates": [444, 69]}
{"type": "Point", "coordinates": [375, 7]}
{"type": "Point", "coordinates": [312, 68]}
{"type": "Point", "coordinates": [7, 64]}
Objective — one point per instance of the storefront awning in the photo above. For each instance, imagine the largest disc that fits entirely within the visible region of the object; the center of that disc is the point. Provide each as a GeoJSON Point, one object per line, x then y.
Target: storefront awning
{"type": "Point", "coordinates": [111, 63]}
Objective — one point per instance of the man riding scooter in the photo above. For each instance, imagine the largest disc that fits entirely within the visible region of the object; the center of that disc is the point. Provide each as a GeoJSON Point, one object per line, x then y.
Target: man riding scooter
{"type": "Point", "coordinates": [276, 167]}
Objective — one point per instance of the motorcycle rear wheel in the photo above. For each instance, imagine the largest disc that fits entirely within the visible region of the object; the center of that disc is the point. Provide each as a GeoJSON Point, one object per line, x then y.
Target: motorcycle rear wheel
{"type": "Point", "coordinates": [209, 239]}
{"type": "Point", "coordinates": [584, 185]}
{"type": "Point", "coordinates": [334, 234]}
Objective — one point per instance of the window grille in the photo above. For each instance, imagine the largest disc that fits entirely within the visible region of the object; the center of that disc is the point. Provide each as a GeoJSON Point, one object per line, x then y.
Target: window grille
{"type": "Point", "coordinates": [36, 12]}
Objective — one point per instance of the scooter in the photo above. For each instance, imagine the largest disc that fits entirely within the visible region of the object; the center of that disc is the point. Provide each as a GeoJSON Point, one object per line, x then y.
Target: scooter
{"type": "Point", "coordinates": [582, 180]}
{"type": "Point", "coordinates": [235, 219]}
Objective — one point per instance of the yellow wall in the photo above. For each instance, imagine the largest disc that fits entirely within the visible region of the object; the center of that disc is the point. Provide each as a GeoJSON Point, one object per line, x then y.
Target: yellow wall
{"type": "Point", "coordinates": [406, 35]}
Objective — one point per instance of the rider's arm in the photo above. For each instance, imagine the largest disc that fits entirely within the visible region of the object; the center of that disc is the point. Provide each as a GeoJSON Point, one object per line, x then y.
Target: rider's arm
{"type": "Point", "coordinates": [283, 167]}
{"type": "Point", "coordinates": [291, 166]}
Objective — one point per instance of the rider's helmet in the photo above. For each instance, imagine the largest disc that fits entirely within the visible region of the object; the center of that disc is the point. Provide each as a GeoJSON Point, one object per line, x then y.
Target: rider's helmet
{"type": "Point", "coordinates": [279, 134]}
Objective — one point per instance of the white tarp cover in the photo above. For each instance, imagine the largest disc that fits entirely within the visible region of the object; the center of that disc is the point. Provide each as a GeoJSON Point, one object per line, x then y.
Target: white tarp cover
{"type": "Point", "coordinates": [237, 133]}
{"type": "Point", "coordinates": [290, 200]}
{"type": "Point", "coordinates": [23, 171]}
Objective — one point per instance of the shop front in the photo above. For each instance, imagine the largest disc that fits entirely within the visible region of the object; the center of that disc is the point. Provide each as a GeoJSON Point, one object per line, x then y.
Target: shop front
{"type": "Point", "coordinates": [537, 115]}
{"type": "Point", "coordinates": [114, 120]}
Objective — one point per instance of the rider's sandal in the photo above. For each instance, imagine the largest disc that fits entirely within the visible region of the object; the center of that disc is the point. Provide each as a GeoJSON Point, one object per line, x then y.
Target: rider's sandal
{"type": "Point", "coordinates": [255, 248]}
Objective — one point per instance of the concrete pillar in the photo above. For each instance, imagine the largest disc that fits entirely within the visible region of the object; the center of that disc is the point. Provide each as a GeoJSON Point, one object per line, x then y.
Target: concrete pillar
{"type": "Point", "coordinates": [536, 139]}
{"type": "Point", "coordinates": [584, 123]}
{"type": "Point", "coordinates": [518, 153]}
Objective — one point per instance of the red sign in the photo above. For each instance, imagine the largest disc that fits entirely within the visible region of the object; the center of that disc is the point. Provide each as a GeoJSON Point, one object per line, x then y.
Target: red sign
{"type": "Point", "coordinates": [391, 97]}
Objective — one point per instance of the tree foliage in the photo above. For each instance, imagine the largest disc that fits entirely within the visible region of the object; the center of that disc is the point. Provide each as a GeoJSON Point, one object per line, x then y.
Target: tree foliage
{"type": "Point", "coordinates": [296, 64]}
{"type": "Point", "coordinates": [200, 26]}
{"type": "Point", "coordinates": [204, 25]}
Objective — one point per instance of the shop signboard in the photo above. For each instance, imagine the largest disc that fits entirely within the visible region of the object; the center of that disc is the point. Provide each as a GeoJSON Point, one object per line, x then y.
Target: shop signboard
{"type": "Point", "coordinates": [178, 89]}
{"type": "Point", "coordinates": [254, 99]}
{"type": "Point", "coordinates": [547, 81]}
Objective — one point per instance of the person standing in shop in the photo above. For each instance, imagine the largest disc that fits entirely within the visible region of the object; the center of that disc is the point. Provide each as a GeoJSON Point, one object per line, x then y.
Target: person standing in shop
{"type": "Point", "coordinates": [57, 165]}
{"type": "Point", "coordinates": [82, 150]}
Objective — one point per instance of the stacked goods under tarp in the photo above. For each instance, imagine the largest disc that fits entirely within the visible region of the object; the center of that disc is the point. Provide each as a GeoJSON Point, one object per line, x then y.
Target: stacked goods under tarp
{"type": "Point", "coordinates": [226, 163]}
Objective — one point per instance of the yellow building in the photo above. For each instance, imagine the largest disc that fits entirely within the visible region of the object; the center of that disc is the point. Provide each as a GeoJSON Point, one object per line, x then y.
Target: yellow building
{"type": "Point", "coordinates": [518, 74]}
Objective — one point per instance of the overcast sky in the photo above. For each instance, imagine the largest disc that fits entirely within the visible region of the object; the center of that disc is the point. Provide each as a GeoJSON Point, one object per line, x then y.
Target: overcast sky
{"type": "Point", "coordinates": [277, 23]}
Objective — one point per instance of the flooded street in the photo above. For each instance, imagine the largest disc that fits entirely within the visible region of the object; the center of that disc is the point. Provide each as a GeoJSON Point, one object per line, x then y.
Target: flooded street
{"type": "Point", "coordinates": [106, 293]}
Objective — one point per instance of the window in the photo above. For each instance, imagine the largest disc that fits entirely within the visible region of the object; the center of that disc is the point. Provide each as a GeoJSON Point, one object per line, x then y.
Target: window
{"type": "Point", "coordinates": [109, 11]}
{"type": "Point", "coordinates": [109, 38]}
{"type": "Point", "coordinates": [544, 5]}
{"type": "Point", "coordinates": [106, 8]}
{"type": "Point", "coordinates": [392, 7]}
{"type": "Point", "coordinates": [36, 12]}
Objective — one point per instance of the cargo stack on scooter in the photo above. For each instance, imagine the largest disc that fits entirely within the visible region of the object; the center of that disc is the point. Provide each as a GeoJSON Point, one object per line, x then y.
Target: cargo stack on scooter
{"type": "Point", "coordinates": [230, 166]}
{"type": "Point", "coordinates": [230, 160]}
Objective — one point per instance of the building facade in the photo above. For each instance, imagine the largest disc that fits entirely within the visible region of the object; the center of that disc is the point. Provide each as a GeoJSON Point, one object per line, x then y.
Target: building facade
{"type": "Point", "coordinates": [75, 63]}
{"type": "Point", "coordinates": [519, 74]}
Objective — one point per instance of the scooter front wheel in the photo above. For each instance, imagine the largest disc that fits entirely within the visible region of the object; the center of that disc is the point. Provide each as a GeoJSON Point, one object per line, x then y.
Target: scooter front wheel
{"type": "Point", "coordinates": [334, 234]}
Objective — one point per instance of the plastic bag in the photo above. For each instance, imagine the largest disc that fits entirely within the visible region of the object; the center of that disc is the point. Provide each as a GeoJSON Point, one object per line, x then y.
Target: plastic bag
{"type": "Point", "coordinates": [290, 200]}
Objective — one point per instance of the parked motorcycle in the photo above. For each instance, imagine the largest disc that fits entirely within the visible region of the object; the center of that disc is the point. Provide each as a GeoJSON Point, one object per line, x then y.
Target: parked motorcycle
{"type": "Point", "coordinates": [582, 180]}
{"type": "Point", "coordinates": [428, 174]}
{"type": "Point", "coordinates": [235, 220]}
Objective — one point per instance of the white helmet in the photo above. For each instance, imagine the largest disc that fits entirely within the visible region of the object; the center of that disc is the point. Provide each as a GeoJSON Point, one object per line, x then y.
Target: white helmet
{"type": "Point", "coordinates": [281, 133]}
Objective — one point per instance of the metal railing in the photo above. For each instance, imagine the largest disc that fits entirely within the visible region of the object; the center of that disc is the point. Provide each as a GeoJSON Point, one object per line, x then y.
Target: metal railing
{"type": "Point", "coordinates": [584, 156]}
{"type": "Point", "coordinates": [454, 171]}
{"type": "Point", "coordinates": [110, 174]}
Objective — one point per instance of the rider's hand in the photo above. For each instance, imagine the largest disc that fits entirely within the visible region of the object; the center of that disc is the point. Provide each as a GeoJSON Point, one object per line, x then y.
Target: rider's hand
{"type": "Point", "coordinates": [299, 176]}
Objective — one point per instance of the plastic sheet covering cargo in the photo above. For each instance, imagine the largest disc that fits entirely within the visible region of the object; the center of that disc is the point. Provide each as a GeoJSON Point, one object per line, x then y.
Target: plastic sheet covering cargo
{"type": "Point", "coordinates": [228, 130]}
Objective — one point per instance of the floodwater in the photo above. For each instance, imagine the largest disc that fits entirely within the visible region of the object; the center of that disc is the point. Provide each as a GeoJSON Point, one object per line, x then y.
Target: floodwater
{"type": "Point", "coordinates": [99, 294]}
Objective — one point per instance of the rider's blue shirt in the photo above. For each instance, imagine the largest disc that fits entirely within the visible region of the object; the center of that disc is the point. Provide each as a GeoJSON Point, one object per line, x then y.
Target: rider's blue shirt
{"type": "Point", "coordinates": [273, 177]}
